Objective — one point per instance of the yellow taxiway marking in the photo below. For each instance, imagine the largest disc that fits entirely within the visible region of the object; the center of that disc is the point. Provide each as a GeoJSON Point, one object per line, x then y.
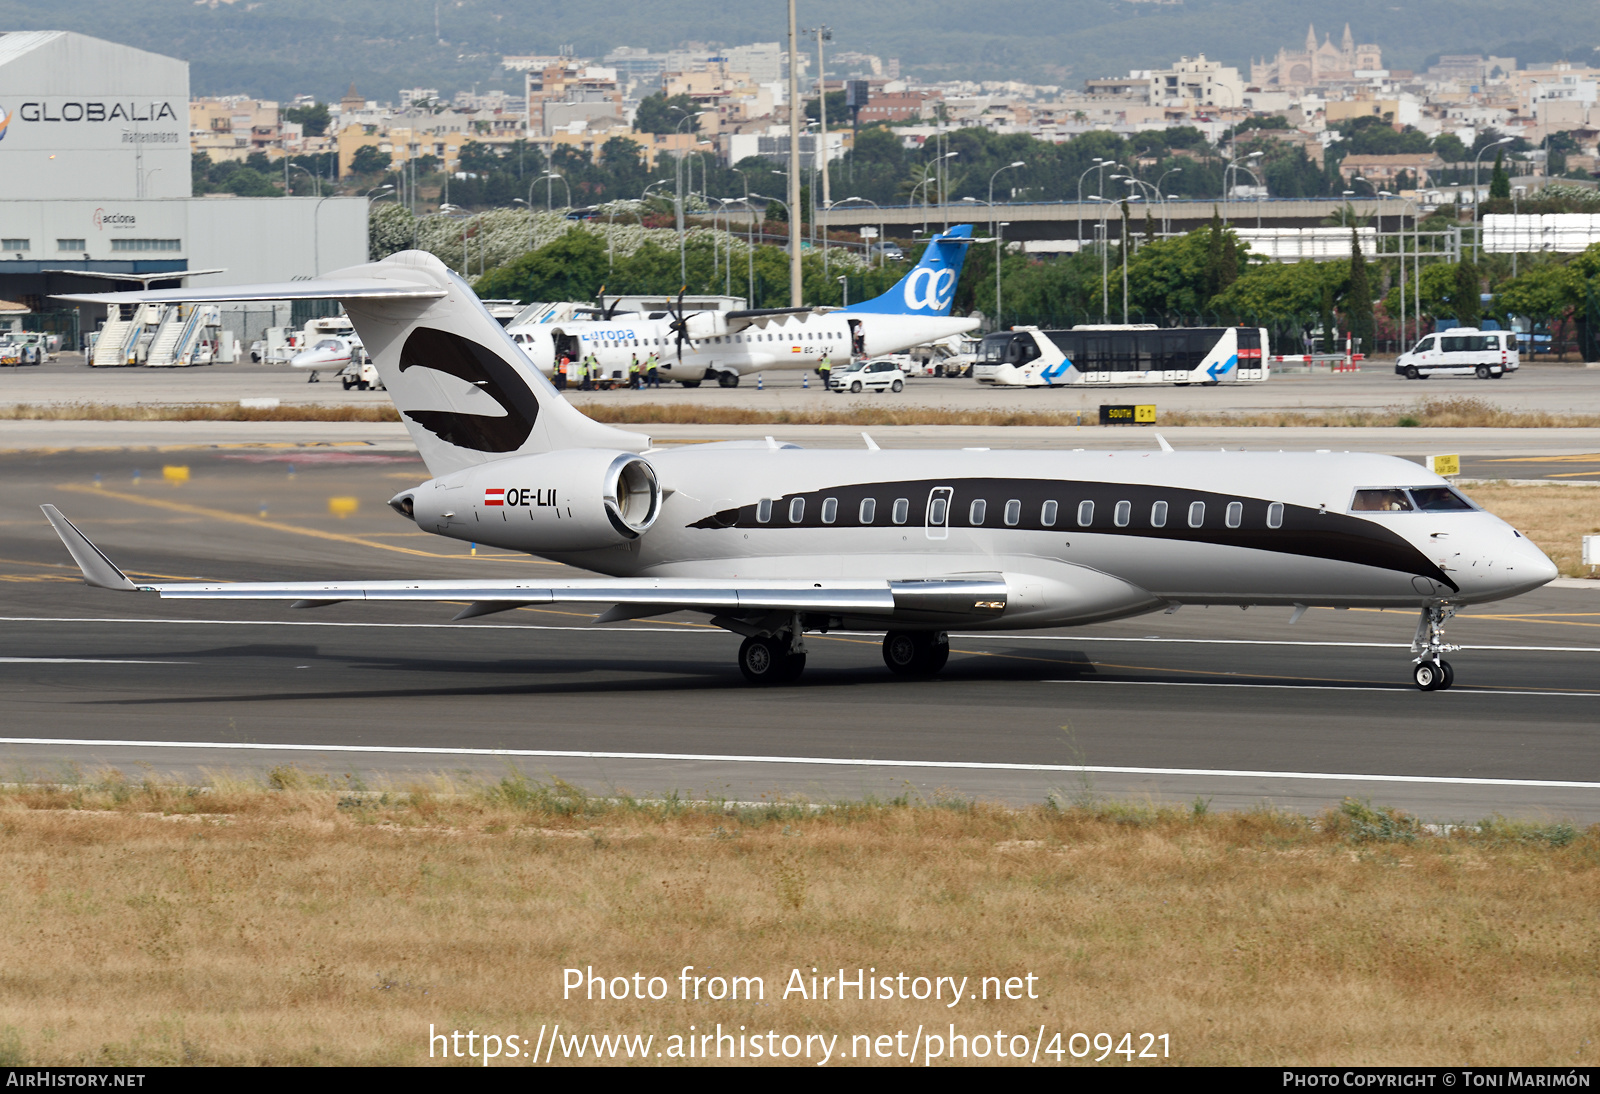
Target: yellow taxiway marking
{"type": "Point", "coordinates": [1587, 457]}
{"type": "Point", "coordinates": [257, 522]}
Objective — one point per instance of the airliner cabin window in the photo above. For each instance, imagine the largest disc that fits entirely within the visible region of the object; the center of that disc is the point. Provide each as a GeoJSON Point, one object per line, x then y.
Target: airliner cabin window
{"type": "Point", "coordinates": [1085, 514]}
{"type": "Point", "coordinates": [869, 507]}
{"type": "Point", "coordinates": [1381, 501]}
{"type": "Point", "coordinates": [763, 510]}
{"type": "Point", "coordinates": [1123, 514]}
{"type": "Point", "coordinates": [1197, 514]}
{"type": "Point", "coordinates": [1158, 515]}
{"type": "Point", "coordinates": [830, 510]}
{"type": "Point", "coordinates": [1235, 514]}
{"type": "Point", "coordinates": [797, 510]}
{"type": "Point", "coordinates": [976, 511]}
{"type": "Point", "coordinates": [1047, 515]}
{"type": "Point", "coordinates": [936, 511]}
{"type": "Point", "coordinates": [902, 510]}
{"type": "Point", "coordinates": [1275, 515]}
{"type": "Point", "coordinates": [1013, 513]}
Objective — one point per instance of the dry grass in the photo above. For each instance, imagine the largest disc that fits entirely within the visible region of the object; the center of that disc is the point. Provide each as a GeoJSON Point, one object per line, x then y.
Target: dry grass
{"type": "Point", "coordinates": [198, 412]}
{"type": "Point", "coordinates": [1555, 517]}
{"type": "Point", "coordinates": [1452, 413]}
{"type": "Point", "coordinates": [149, 924]}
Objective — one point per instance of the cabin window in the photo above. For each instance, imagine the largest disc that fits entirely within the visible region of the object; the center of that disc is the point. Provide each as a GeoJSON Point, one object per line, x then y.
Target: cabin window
{"type": "Point", "coordinates": [1158, 515]}
{"type": "Point", "coordinates": [1047, 515]}
{"type": "Point", "coordinates": [1122, 514]}
{"type": "Point", "coordinates": [797, 510]}
{"type": "Point", "coordinates": [869, 508]}
{"type": "Point", "coordinates": [936, 512]}
{"type": "Point", "coordinates": [1085, 514]}
{"type": "Point", "coordinates": [1275, 515]}
{"type": "Point", "coordinates": [1235, 514]}
{"type": "Point", "coordinates": [763, 510]}
{"type": "Point", "coordinates": [976, 511]}
{"type": "Point", "coordinates": [1013, 513]}
{"type": "Point", "coordinates": [1381, 501]}
{"type": "Point", "coordinates": [1197, 514]}
{"type": "Point", "coordinates": [902, 510]}
{"type": "Point", "coordinates": [830, 510]}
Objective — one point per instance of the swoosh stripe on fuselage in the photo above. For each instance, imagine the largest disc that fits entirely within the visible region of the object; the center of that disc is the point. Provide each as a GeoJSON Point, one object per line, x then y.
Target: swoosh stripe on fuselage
{"type": "Point", "coordinates": [1311, 533]}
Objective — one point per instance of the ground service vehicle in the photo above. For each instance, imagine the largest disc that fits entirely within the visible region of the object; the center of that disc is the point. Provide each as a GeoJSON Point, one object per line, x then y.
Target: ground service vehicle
{"type": "Point", "coordinates": [1461, 351]}
{"type": "Point", "coordinates": [1116, 355]}
{"type": "Point", "coordinates": [882, 374]}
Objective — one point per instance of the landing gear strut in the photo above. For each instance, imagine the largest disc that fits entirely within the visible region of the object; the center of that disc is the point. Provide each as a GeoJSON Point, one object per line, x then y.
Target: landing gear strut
{"type": "Point", "coordinates": [915, 653]}
{"type": "Point", "coordinates": [1430, 670]}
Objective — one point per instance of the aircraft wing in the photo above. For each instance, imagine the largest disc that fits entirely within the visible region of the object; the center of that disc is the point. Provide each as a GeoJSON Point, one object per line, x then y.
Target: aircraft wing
{"type": "Point", "coordinates": [633, 597]}
{"type": "Point", "coordinates": [367, 288]}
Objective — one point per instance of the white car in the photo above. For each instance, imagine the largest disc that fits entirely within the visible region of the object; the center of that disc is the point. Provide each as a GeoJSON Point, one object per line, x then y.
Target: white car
{"type": "Point", "coordinates": [876, 375]}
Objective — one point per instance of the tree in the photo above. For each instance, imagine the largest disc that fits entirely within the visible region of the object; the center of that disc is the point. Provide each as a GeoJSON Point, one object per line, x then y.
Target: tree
{"type": "Point", "coordinates": [1449, 148]}
{"type": "Point", "coordinates": [837, 112]}
{"type": "Point", "coordinates": [479, 158]}
{"type": "Point", "coordinates": [1213, 270]}
{"type": "Point", "coordinates": [659, 114]}
{"type": "Point", "coordinates": [1358, 298]}
{"type": "Point", "coordinates": [1544, 294]}
{"type": "Point", "coordinates": [570, 268]}
{"type": "Point", "coordinates": [369, 160]}
{"type": "Point", "coordinates": [313, 120]}
{"type": "Point", "coordinates": [1330, 336]}
{"type": "Point", "coordinates": [1465, 297]}
{"type": "Point", "coordinates": [1500, 182]}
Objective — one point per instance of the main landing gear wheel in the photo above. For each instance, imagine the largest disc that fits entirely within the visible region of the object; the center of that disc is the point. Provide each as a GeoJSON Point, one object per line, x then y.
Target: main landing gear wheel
{"type": "Point", "coordinates": [1433, 675]}
{"type": "Point", "coordinates": [690, 383]}
{"type": "Point", "coordinates": [728, 379]}
{"type": "Point", "coordinates": [915, 653]}
{"type": "Point", "coordinates": [1430, 671]}
{"type": "Point", "coordinates": [768, 661]}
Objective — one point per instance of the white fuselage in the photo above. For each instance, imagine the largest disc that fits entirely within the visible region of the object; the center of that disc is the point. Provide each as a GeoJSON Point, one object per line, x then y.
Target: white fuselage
{"type": "Point", "coordinates": [740, 347]}
{"type": "Point", "coordinates": [744, 512]}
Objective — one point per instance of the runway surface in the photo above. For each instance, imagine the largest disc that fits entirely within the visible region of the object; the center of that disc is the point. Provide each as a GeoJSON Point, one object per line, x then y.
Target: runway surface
{"type": "Point", "coordinates": [1234, 707]}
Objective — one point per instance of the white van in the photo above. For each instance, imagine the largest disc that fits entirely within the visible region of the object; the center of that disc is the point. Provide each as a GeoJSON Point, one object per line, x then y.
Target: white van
{"type": "Point", "coordinates": [1461, 351]}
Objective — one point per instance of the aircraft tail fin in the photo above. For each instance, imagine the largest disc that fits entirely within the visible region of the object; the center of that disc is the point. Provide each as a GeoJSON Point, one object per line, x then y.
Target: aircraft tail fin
{"type": "Point", "coordinates": [466, 392]}
{"type": "Point", "coordinates": [930, 287]}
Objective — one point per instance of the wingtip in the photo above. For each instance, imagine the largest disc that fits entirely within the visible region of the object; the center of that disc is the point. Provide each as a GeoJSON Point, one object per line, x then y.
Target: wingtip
{"type": "Point", "coordinates": [98, 570]}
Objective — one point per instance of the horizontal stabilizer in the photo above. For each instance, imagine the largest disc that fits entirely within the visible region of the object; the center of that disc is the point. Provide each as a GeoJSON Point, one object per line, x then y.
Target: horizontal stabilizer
{"type": "Point", "coordinates": [313, 289]}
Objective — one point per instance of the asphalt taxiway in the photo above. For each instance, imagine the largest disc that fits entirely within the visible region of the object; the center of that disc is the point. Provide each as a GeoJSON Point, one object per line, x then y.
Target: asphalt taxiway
{"type": "Point", "coordinates": [1229, 706]}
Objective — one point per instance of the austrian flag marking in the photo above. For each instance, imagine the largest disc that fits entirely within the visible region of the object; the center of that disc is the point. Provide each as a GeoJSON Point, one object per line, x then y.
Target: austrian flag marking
{"type": "Point", "coordinates": [494, 495]}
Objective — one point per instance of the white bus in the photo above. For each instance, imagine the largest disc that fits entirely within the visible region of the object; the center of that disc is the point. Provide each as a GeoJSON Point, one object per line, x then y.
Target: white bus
{"type": "Point", "coordinates": [1117, 355]}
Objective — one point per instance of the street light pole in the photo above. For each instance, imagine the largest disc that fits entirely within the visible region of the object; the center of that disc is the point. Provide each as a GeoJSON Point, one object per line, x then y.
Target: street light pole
{"type": "Point", "coordinates": [1000, 228]}
{"type": "Point", "coordinates": [796, 289]}
{"type": "Point", "coordinates": [1476, 232]}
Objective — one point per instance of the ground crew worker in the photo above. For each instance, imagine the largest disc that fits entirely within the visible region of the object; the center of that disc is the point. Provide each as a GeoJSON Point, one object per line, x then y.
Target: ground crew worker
{"type": "Point", "coordinates": [633, 372]}
{"type": "Point", "coordinates": [585, 375]}
{"type": "Point", "coordinates": [652, 363]}
{"type": "Point", "coordinates": [825, 370]}
{"type": "Point", "coordinates": [561, 373]}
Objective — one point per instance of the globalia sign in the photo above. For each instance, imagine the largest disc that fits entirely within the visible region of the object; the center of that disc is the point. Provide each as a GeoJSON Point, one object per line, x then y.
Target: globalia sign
{"type": "Point", "coordinates": [5, 122]}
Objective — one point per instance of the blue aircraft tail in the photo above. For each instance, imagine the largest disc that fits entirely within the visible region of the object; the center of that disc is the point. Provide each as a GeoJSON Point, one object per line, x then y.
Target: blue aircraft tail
{"type": "Point", "coordinates": [931, 285]}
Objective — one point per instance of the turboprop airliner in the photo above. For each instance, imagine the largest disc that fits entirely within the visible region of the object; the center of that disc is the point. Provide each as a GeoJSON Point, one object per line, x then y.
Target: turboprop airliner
{"type": "Point", "coordinates": [773, 542]}
{"type": "Point", "coordinates": [723, 346]}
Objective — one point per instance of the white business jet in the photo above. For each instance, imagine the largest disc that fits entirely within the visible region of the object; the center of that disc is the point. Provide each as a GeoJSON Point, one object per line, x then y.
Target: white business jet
{"type": "Point", "coordinates": [723, 346]}
{"type": "Point", "coordinates": [773, 542]}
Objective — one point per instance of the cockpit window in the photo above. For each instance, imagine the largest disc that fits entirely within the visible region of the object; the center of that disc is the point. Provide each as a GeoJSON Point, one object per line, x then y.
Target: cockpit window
{"type": "Point", "coordinates": [328, 343]}
{"type": "Point", "coordinates": [1381, 501]}
{"type": "Point", "coordinates": [1439, 499]}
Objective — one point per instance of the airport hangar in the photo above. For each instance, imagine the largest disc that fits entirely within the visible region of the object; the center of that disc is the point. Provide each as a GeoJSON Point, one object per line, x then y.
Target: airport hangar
{"type": "Point", "coordinates": [95, 186]}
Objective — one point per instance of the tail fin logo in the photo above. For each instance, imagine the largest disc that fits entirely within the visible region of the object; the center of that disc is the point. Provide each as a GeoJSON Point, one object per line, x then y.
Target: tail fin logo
{"type": "Point", "coordinates": [5, 121]}
{"type": "Point", "coordinates": [930, 289]}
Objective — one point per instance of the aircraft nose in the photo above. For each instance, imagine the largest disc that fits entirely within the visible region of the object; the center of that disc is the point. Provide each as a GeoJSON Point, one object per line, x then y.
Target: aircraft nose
{"type": "Point", "coordinates": [1529, 567]}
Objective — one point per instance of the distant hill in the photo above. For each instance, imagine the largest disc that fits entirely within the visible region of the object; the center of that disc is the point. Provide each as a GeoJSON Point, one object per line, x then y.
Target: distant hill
{"type": "Point", "coordinates": [278, 48]}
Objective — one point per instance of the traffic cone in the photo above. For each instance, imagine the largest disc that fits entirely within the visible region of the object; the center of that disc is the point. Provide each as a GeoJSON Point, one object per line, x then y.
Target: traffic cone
{"type": "Point", "coordinates": [758, 381]}
{"type": "Point", "coordinates": [805, 380]}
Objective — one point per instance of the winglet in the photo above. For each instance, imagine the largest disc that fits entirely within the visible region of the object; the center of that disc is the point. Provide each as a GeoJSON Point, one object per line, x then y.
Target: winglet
{"type": "Point", "coordinates": [98, 570]}
{"type": "Point", "coordinates": [1162, 441]}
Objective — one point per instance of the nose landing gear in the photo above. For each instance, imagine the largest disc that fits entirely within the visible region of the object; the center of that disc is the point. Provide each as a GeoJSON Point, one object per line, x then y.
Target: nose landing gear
{"type": "Point", "coordinates": [1430, 671]}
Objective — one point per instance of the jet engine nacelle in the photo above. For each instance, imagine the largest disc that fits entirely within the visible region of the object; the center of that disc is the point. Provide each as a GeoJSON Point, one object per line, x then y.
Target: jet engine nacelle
{"type": "Point", "coordinates": [573, 500]}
